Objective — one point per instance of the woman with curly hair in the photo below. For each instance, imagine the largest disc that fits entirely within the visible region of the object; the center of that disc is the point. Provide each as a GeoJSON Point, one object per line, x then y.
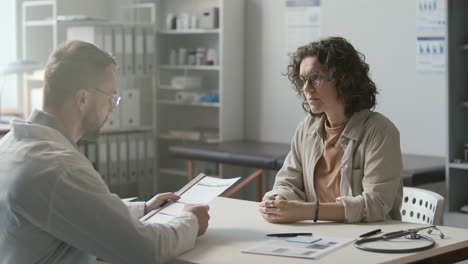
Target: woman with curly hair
{"type": "Point", "coordinates": [345, 159]}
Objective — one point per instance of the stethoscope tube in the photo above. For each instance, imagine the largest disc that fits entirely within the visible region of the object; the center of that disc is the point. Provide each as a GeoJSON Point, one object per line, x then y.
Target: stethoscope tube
{"type": "Point", "coordinates": [359, 242]}
{"type": "Point", "coordinates": [411, 233]}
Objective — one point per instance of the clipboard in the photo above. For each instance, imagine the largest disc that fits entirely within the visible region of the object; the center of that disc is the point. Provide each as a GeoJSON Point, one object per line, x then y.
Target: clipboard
{"type": "Point", "coordinates": [201, 190]}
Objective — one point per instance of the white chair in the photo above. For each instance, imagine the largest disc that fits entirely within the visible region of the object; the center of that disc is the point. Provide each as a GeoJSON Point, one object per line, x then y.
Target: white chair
{"type": "Point", "coordinates": [421, 206]}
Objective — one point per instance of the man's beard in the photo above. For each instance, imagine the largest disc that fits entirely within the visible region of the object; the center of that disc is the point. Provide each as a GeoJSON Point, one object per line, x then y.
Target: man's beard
{"type": "Point", "coordinates": [91, 126]}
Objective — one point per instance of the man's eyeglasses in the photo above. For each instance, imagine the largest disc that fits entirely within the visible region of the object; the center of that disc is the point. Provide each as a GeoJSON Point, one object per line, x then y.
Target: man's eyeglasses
{"type": "Point", "coordinates": [114, 98]}
{"type": "Point", "coordinates": [313, 80]}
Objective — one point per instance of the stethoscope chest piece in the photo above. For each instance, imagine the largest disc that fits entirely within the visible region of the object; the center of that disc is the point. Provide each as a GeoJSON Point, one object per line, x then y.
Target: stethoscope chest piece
{"type": "Point", "coordinates": [413, 236]}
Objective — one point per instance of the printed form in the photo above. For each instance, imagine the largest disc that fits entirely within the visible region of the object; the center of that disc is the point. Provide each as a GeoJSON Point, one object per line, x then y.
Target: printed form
{"type": "Point", "coordinates": [200, 190]}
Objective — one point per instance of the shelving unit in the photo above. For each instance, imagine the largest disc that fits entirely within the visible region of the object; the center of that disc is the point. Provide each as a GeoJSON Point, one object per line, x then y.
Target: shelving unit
{"type": "Point", "coordinates": [180, 173]}
{"type": "Point", "coordinates": [219, 117]}
{"type": "Point", "coordinates": [190, 67]}
{"type": "Point", "coordinates": [457, 166]}
{"type": "Point", "coordinates": [171, 88]}
{"type": "Point", "coordinates": [223, 118]}
{"type": "Point", "coordinates": [37, 17]}
{"type": "Point", "coordinates": [462, 166]}
{"type": "Point", "coordinates": [124, 154]}
{"type": "Point", "coordinates": [167, 102]}
{"type": "Point", "coordinates": [189, 31]}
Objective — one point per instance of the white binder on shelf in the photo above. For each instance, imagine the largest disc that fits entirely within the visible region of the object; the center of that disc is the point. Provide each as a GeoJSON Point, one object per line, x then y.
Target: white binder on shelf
{"type": "Point", "coordinates": [108, 39]}
{"type": "Point", "coordinates": [91, 34]}
{"type": "Point", "coordinates": [149, 161]}
{"type": "Point", "coordinates": [113, 121]}
{"type": "Point", "coordinates": [82, 148]}
{"type": "Point", "coordinates": [123, 162]}
{"type": "Point", "coordinates": [139, 50]}
{"type": "Point", "coordinates": [149, 57]}
{"type": "Point", "coordinates": [92, 153]}
{"type": "Point", "coordinates": [141, 145]}
{"type": "Point", "coordinates": [130, 108]}
{"type": "Point", "coordinates": [119, 49]}
{"type": "Point", "coordinates": [102, 159]}
{"type": "Point", "coordinates": [128, 51]}
{"type": "Point", "coordinates": [133, 158]}
{"type": "Point", "coordinates": [113, 160]}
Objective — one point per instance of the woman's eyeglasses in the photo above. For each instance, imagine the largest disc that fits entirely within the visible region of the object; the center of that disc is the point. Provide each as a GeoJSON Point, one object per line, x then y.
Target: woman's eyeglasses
{"type": "Point", "coordinates": [312, 79]}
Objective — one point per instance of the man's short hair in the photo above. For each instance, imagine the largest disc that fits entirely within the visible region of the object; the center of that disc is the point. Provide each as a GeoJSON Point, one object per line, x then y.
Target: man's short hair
{"type": "Point", "coordinates": [74, 65]}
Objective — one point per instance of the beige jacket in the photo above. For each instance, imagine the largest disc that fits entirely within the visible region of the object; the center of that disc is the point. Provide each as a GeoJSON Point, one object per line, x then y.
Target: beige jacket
{"type": "Point", "coordinates": [371, 186]}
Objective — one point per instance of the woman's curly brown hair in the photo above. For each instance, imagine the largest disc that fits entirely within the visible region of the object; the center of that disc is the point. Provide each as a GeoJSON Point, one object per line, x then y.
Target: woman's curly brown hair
{"type": "Point", "coordinates": [345, 66]}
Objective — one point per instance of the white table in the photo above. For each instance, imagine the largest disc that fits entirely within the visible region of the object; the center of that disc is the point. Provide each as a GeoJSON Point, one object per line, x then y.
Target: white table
{"type": "Point", "coordinates": [236, 225]}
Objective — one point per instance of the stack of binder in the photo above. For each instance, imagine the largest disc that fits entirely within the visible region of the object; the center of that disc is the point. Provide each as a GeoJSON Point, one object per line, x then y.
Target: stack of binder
{"type": "Point", "coordinates": [133, 48]}
{"type": "Point", "coordinates": [124, 160]}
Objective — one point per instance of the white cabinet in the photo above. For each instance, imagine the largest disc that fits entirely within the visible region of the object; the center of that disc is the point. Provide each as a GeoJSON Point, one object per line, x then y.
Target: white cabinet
{"type": "Point", "coordinates": [200, 88]}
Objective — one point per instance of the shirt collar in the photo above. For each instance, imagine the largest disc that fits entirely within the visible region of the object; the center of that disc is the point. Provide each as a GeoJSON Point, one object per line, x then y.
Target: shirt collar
{"type": "Point", "coordinates": [317, 127]}
{"type": "Point", "coordinates": [45, 119]}
{"type": "Point", "coordinates": [356, 124]}
{"type": "Point", "coordinates": [352, 130]}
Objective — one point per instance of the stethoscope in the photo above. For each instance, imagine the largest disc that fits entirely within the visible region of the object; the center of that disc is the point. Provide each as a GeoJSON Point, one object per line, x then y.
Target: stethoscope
{"type": "Point", "coordinates": [409, 234]}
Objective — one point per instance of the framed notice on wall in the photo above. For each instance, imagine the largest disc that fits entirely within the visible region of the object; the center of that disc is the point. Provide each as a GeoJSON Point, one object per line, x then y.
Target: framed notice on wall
{"type": "Point", "coordinates": [302, 23]}
{"type": "Point", "coordinates": [430, 36]}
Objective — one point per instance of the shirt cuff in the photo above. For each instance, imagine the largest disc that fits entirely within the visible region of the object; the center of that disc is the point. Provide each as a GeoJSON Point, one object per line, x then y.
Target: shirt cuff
{"type": "Point", "coordinates": [136, 209]}
{"type": "Point", "coordinates": [353, 208]}
{"type": "Point", "coordinates": [187, 224]}
{"type": "Point", "coordinates": [288, 195]}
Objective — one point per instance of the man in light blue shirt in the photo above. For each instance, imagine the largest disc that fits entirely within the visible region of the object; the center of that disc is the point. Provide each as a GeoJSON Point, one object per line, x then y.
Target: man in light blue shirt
{"type": "Point", "coordinates": [54, 207]}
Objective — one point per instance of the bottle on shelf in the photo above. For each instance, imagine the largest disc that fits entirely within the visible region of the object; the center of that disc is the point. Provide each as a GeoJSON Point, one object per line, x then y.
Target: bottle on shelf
{"type": "Point", "coordinates": [182, 56]}
{"type": "Point", "coordinates": [170, 21]}
{"type": "Point", "coordinates": [200, 56]}
{"type": "Point", "coordinates": [194, 22]}
{"type": "Point", "coordinates": [183, 21]}
{"type": "Point", "coordinates": [192, 57]}
{"type": "Point", "coordinates": [211, 57]}
{"type": "Point", "coordinates": [173, 57]}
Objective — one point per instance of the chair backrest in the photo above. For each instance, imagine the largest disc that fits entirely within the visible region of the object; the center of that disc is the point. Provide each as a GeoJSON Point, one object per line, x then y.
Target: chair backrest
{"type": "Point", "coordinates": [421, 206]}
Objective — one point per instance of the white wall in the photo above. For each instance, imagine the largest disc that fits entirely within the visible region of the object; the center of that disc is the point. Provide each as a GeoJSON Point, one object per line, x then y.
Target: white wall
{"type": "Point", "coordinates": [385, 32]}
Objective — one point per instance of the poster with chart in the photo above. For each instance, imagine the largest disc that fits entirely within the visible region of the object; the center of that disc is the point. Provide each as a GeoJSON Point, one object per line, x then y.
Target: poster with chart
{"type": "Point", "coordinates": [302, 23]}
{"type": "Point", "coordinates": [431, 36]}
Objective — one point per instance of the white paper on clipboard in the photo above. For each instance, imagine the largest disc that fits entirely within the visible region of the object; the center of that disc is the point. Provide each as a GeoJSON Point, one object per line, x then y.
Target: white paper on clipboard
{"type": "Point", "coordinates": [200, 190]}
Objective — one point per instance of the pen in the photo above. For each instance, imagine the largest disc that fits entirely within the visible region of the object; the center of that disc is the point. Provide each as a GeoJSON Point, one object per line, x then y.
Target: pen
{"type": "Point", "coordinates": [373, 232]}
{"type": "Point", "coordinates": [289, 234]}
